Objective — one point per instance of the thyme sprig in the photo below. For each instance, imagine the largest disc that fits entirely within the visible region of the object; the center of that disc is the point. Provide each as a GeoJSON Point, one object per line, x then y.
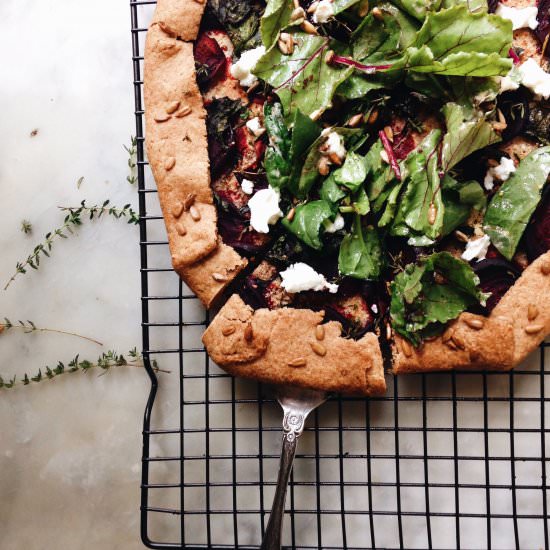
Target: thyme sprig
{"type": "Point", "coordinates": [73, 219]}
{"type": "Point", "coordinates": [106, 362]}
{"type": "Point", "coordinates": [29, 327]}
{"type": "Point", "coordinates": [132, 160]}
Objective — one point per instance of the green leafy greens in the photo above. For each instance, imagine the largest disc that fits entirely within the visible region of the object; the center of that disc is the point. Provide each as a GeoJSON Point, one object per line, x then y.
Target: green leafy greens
{"type": "Point", "coordinates": [428, 294]}
{"type": "Point", "coordinates": [511, 208]}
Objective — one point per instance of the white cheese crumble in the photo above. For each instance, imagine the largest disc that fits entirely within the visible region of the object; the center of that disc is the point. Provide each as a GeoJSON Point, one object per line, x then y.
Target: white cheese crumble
{"type": "Point", "coordinates": [374, 308]}
{"type": "Point", "coordinates": [502, 172]}
{"type": "Point", "coordinates": [323, 12]}
{"type": "Point", "coordinates": [534, 77]}
{"type": "Point", "coordinates": [299, 277]}
{"type": "Point", "coordinates": [335, 144]}
{"type": "Point", "coordinates": [476, 249]}
{"type": "Point", "coordinates": [255, 126]}
{"type": "Point", "coordinates": [336, 225]}
{"type": "Point", "coordinates": [264, 209]}
{"type": "Point", "coordinates": [242, 69]}
{"type": "Point", "coordinates": [247, 186]}
{"type": "Point", "coordinates": [510, 82]}
{"type": "Point", "coordinates": [520, 17]}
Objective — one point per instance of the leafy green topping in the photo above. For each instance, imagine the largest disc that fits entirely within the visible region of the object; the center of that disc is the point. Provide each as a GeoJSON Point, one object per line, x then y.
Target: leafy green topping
{"type": "Point", "coordinates": [465, 134]}
{"type": "Point", "coordinates": [276, 17]}
{"type": "Point", "coordinates": [353, 173]}
{"type": "Point", "coordinates": [361, 253]}
{"type": "Point", "coordinates": [240, 19]}
{"type": "Point", "coordinates": [308, 222]}
{"type": "Point", "coordinates": [513, 205]}
{"type": "Point", "coordinates": [459, 198]}
{"type": "Point", "coordinates": [302, 80]}
{"type": "Point", "coordinates": [421, 209]}
{"type": "Point", "coordinates": [426, 295]}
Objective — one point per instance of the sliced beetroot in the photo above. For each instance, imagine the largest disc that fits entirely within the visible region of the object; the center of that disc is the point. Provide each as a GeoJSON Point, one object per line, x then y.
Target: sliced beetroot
{"type": "Point", "coordinates": [493, 5]}
{"type": "Point", "coordinates": [496, 276]}
{"type": "Point", "coordinates": [403, 144]}
{"type": "Point", "coordinates": [543, 27]}
{"type": "Point", "coordinates": [254, 292]}
{"type": "Point", "coordinates": [210, 59]}
{"type": "Point", "coordinates": [537, 235]}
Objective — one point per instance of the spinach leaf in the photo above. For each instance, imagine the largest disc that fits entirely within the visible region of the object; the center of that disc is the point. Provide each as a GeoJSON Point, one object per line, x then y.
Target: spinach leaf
{"type": "Point", "coordinates": [511, 208]}
{"type": "Point", "coordinates": [418, 8]}
{"type": "Point", "coordinates": [458, 42]}
{"type": "Point", "coordinates": [421, 208]}
{"type": "Point", "coordinates": [459, 198]}
{"type": "Point", "coordinates": [361, 253]}
{"type": "Point", "coordinates": [420, 304]}
{"type": "Point", "coordinates": [303, 80]}
{"type": "Point", "coordinates": [353, 172]}
{"type": "Point", "coordinates": [277, 162]}
{"type": "Point", "coordinates": [330, 191]}
{"type": "Point", "coordinates": [465, 134]}
{"type": "Point", "coordinates": [361, 203]}
{"type": "Point", "coordinates": [240, 19]}
{"type": "Point", "coordinates": [308, 222]}
{"type": "Point", "coordinates": [276, 17]}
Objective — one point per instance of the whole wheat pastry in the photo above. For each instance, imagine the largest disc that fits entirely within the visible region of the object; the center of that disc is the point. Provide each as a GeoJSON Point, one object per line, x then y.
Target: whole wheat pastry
{"type": "Point", "coordinates": [372, 182]}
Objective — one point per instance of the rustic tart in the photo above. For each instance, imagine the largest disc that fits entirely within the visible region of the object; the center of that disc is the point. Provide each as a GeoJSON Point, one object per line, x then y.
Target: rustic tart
{"type": "Point", "coordinates": [352, 184]}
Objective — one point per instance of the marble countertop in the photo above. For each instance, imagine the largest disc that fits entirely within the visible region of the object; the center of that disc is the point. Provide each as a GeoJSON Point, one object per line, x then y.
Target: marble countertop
{"type": "Point", "coordinates": [70, 450]}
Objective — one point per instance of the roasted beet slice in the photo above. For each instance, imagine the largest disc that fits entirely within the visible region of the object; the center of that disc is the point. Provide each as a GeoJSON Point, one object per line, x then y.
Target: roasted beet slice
{"type": "Point", "coordinates": [496, 276]}
{"type": "Point", "coordinates": [543, 27]}
{"type": "Point", "coordinates": [537, 235]}
{"type": "Point", "coordinates": [403, 144]}
{"type": "Point", "coordinates": [210, 59]}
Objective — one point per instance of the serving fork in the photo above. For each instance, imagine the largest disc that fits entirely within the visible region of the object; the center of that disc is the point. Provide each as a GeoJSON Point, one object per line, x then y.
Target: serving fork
{"type": "Point", "coordinates": [296, 403]}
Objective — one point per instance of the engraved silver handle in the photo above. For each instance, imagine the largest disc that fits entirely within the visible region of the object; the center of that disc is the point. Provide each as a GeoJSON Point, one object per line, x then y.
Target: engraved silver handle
{"type": "Point", "coordinates": [296, 404]}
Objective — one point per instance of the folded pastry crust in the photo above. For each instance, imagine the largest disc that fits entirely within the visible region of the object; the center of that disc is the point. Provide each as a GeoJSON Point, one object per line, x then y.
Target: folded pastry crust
{"type": "Point", "coordinates": [517, 325]}
{"type": "Point", "coordinates": [292, 346]}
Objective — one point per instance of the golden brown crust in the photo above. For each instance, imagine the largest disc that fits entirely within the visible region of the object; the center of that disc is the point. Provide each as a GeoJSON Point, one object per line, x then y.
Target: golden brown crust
{"type": "Point", "coordinates": [209, 277]}
{"type": "Point", "coordinates": [517, 325]}
{"type": "Point", "coordinates": [180, 18]}
{"type": "Point", "coordinates": [471, 342]}
{"type": "Point", "coordinates": [285, 346]}
{"type": "Point", "coordinates": [177, 150]}
{"type": "Point", "coordinates": [526, 306]}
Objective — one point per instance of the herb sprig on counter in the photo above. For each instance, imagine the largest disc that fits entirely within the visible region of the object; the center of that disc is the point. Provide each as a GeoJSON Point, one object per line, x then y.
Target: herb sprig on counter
{"type": "Point", "coordinates": [132, 160]}
{"type": "Point", "coordinates": [107, 361]}
{"type": "Point", "coordinates": [29, 327]}
{"type": "Point", "coordinates": [73, 219]}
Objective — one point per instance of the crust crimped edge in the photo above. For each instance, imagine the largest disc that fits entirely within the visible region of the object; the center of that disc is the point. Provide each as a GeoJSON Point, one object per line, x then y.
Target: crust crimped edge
{"type": "Point", "coordinates": [517, 325]}
{"type": "Point", "coordinates": [177, 150]}
{"type": "Point", "coordinates": [291, 346]}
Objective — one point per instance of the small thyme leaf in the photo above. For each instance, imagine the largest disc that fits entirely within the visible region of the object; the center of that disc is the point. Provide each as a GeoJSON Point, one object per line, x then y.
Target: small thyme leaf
{"type": "Point", "coordinates": [132, 160]}
{"type": "Point", "coordinates": [79, 182]}
{"type": "Point", "coordinates": [26, 227]}
{"type": "Point", "coordinates": [106, 362]}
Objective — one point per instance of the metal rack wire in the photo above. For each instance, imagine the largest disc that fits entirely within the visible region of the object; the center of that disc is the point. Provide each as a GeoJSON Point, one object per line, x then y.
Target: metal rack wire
{"type": "Point", "coordinates": [454, 460]}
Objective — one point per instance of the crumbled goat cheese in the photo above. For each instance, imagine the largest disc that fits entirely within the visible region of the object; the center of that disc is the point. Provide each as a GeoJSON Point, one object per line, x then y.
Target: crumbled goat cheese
{"type": "Point", "coordinates": [247, 186]}
{"type": "Point", "coordinates": [505, 169]}
{"type": "Point", "coordinates": [476, 249]}
{"type": "Point", "coordinates": [488, 181]}
{"type": "Point", "coordinates": [323, 12]}
{"type": "Point", "coordinates": [336, 225]}
{"type": "Point", "coordinates": [502, 172]}
{"type": "Point", "coordinates": [520, 17]}
{"type": "Point", "coordinates": [374, 308]}
{"type": "Point", "coordinates": [299, 277]}
{"type": "Point", "coordinates": [264, 209]}
{"type": "Point", "coordinates": [508, 83]}
{"type": "Point", "coordinates": [534, 77]}
{"type": "Point", "coordinates": [335, 144]}
{"type": "Point", "coordinates": [255, 127]}
{"type": "Point", "coordinates": [242, 69]}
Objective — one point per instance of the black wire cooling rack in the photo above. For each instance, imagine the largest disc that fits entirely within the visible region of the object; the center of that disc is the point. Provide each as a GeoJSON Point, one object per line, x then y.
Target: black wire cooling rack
{"type": "Point", "coordinates": [442, 461]}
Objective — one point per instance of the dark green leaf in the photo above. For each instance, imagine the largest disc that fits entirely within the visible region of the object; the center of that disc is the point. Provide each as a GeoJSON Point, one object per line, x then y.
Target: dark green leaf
{"type": "Point", "coordinates": [308, 222]}
{"type": "Point", "coordinates": [513, 205]}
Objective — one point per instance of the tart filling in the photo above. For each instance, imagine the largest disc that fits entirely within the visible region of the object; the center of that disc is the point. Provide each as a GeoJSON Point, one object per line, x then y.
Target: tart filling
{"type": "Point", "coordinates": [372, 165]}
